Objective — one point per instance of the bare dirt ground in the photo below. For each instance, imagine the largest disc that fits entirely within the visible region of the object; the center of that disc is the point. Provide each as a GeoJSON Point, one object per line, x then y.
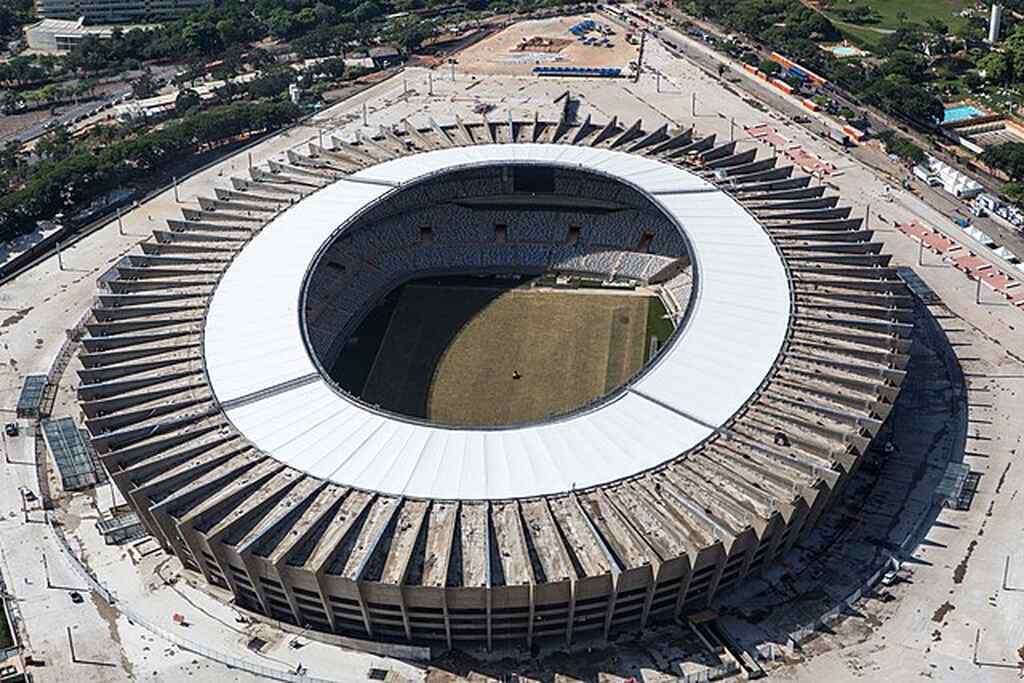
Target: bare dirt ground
{"type": "Point", "coordinates": [450, 353]}
{"type": "Point", "coordinates": [499, 54]}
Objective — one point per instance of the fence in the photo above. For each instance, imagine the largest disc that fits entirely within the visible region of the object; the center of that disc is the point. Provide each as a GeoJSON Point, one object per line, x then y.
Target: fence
{"type": "Point", "coordinates": [227, 660]}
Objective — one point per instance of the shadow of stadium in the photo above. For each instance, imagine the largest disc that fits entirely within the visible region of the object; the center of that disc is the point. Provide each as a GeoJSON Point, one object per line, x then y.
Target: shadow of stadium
{"type": "Point", "coordinates": [886, 510]}
{"type": "Point", "coordinates": [394, 353]}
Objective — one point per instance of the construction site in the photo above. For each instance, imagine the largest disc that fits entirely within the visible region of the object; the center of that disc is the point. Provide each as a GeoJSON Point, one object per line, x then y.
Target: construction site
{"type": "Point", "coordinates": [808, 478]}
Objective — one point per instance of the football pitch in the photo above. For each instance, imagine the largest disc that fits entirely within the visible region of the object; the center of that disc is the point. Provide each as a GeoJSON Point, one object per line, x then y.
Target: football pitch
{"type": "Point", "coordinates": [487, 355]}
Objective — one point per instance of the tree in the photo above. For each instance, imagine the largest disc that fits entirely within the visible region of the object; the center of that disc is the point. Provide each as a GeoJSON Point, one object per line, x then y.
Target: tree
{"type": "Point", "coordinates": [1014, 192]}
{"type": "Point", "coordinates": [902, 147]}
{"type": "Point", "coordinates": [996, 67]}
{"type": "Point", "coordinates": [202, 37]}
{"type": "Point", "coordinates": [908, 65]}
{"type": "Point", "coordinates": [1013, 47]}
{"type": "Point", "coordinates": [145, 85]}
{"type": "Point", "coordinates": [55, 145]}
{"type": "Point", "coordinates": [936, 25]}
{"type": "Point", "coordinates": [408, 33]}
{"type": "Point", "coordinates": [366, 11]}
{"type": "Point", "coordinates": [1008, 158]}
{"type": "Point", "coordinates": [187, 100]}
{"type": "Point", "coordinates": [770, 67]}
{"type": "Point", "coordinates": [897, 95]}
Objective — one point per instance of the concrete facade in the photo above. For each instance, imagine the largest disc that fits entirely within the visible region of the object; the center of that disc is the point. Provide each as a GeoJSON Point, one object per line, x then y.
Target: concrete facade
{"type": "Point", "coordinates": [117, 11]}
{"type": "Point", "coordinates": [594, 561]}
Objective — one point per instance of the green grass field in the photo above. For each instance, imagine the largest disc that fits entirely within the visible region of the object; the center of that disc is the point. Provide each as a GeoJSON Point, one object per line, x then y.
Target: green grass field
{"type": "Point", "coordinates": [888, 13]}
{"type": "Point", "coordinates": [450, 352]}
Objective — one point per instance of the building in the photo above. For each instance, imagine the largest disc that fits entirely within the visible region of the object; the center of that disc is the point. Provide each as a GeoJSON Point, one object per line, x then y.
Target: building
{"type": "Point", "coordinates": [385, 56]}
{"type": "Point", "coordinates": [117, 11]}
{"type": "Point", "coordinates": [995, 23]}
{"type": "Point", "coordinates": [58, 36]}
{"type": "Point", "coordinates": [205, 395]}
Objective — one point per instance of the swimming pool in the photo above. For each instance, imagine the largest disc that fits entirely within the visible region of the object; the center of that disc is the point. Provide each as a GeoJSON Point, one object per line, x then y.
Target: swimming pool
{"type": "Point", "coordinates": [961, 113]}
{"type": "Point", "coordinates": [846, 51]}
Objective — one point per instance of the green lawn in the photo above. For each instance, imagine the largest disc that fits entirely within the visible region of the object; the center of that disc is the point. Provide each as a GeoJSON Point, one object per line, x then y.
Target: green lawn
{"type": "Point", "coordinates": [917, 11]}
{"type": "Point", "coordinates": [862, 36]}
{"type": "Point", "coordinates": [657, 325]}
{"type": "Point", "coordinates": [888, 11]}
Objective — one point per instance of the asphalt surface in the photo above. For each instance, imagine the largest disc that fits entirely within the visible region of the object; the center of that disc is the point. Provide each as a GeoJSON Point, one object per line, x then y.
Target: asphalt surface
{"type": "Point", "coordinates": [67, 115]}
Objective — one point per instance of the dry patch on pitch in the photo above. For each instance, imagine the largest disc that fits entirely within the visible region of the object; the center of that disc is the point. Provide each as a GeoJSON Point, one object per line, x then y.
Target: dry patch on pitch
{"type": "Point", "coordinates": [508, 52]}
{"type": "Point", "coordinates": [481, 356]}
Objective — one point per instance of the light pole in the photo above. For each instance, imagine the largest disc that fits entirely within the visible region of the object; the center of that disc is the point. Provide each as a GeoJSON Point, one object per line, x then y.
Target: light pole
{"type": "Point", "coordinates": [120, 224]}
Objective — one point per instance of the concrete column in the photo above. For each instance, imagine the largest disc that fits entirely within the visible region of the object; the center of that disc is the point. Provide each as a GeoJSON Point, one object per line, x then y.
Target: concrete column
{"type": "Point", "coordinates": [572, 612]}
{"type": "Point", "coordinates": [200, 559]}
{"type": "Point", "coordinates": [647, 600]}
{"type": "Point", "coordinates": [490, 625]}
{"type": "Point", "coordinates": [684, 588]}
{"type": "Point", "coordinates": [716, 576]}
{"type": "Point", "coordinates": [364, 610]}
{"type": "Point", "coordinates": [780, 533]}
{"type": "Point", "coordinates": [257, 587]}
{"type": "Point", "coordinates": [745, 565]}
{"type": "Point", "coordinates": [797, 524]}
{"type": "Point", "coordinates": [447, 619]}
{"type": "Point", "coordinates": [325, 601]}
{"type": "Point", "coordinates": [529, 624]}
{"type": "Point", "coordinates": [286, 588]}
{"type": "Point", "coordinates": [612, 599]}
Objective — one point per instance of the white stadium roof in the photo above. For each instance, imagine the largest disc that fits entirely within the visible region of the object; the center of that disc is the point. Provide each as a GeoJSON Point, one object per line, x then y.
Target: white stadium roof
{"type": "Point", "coordinates": [270, 388]}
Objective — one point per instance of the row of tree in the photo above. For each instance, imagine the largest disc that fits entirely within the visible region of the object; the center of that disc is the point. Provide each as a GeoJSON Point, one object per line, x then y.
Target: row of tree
{"type": "Point", "coordinates": [59, 185]}
{"type": "Point", "coordinates": [895, 85]}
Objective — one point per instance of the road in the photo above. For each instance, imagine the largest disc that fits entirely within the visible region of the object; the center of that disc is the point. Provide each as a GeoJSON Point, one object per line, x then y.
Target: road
{"type": "Point", "coordinates": [66, 117]}
{"type": "Point", "coordinates": [41, 581]}
{"type": "Point", "coordinates": [878, 120]}
{"type": "Point", "coordinates": [39, 125]}
{"type": "Point", "coordinates": [709, 60]}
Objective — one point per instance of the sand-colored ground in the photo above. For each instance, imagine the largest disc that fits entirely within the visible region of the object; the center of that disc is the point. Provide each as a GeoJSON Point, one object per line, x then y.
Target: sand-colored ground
{"type": "Point", "coordinates": [499, 54]}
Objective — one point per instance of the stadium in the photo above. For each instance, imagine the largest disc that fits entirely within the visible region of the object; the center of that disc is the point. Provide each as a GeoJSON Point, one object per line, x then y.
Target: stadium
{"type": "Point", "coordinates": [484, 382]}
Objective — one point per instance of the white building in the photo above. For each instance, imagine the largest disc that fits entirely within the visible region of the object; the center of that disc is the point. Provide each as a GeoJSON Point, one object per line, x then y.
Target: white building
{"type": "Point", "coordinates": [58, 36]}
{"type": "Point", "coordinates": [117, 11]}
{"type": "Point", "coordinates": [995, 23]}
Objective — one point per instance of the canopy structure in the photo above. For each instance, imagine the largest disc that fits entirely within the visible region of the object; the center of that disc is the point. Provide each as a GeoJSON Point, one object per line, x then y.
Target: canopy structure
{"type": "Point", "coordinates": [212, 416]}
{"type": "Point", "coordinates": [262, 372]}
